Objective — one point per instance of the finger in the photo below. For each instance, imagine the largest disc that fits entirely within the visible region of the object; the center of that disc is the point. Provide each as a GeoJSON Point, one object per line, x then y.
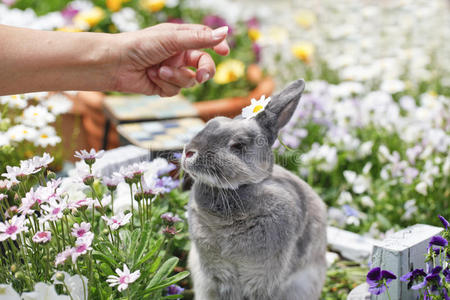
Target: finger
{"type": "Point", "coordinates": [203, 62]}
{"type": "Point", "coordinates": [181, 77]}
{"type": "Point", "coordinates": [167, 89]}
{"type": "Point", "coordinates": [181, 40]}
{"type": "Point", "coordinates": [223, 48]}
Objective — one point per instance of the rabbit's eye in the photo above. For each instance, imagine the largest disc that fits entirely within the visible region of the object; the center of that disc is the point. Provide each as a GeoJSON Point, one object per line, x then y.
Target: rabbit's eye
{"type": "Point", "coordinates": [237, 146]}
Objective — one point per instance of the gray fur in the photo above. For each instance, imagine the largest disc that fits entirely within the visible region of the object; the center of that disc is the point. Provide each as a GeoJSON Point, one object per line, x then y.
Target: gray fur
{"type": "Point", "coordinates": [258, 231]}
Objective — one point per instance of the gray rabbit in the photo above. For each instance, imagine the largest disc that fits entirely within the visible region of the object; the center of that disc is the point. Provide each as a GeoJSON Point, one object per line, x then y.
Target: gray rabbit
{"type": "Point", "coordinates": [258, 232]}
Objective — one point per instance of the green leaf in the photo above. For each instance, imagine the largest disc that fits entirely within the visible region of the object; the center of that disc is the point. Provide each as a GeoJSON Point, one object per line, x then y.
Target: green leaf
{"type": "Point", "coordinates": [143, 242]}
{"type": "Point", "coordinates": [164, 271]}
{"type": "Point", "coordinates": [167, 282]}
{"type": "Point", "coordinates": [173, 297]}
{"type": "Point", "coordinates": [150, 254]}
{"type": "Point", "coordinates": [106, 259]}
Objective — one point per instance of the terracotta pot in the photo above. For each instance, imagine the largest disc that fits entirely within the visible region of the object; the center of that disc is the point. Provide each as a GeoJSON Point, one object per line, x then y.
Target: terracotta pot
{"type": "Point", "coordinates": [231, 107]}
{"type": "Point", "coordinates": [90, 106]}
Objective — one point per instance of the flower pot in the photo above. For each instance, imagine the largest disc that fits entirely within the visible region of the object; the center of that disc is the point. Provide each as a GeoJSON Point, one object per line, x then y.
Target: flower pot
{"type": "Point", "coordinates": [231, 107]}
{"type": "Point", "coordinates": [89, 105]}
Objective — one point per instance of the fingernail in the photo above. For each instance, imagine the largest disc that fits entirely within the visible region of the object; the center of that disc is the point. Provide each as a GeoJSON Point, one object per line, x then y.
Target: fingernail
{"type": "Point", "coordinates": [220, 33]}
{"type": "Point", "coordinates": [166, 72]}
{"type": "Point", "coordinates": [205, 77]}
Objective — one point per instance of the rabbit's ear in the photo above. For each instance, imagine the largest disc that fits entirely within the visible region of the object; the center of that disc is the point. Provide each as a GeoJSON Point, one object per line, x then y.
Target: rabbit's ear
{"type": "Point", "coordinates": [280, 109]}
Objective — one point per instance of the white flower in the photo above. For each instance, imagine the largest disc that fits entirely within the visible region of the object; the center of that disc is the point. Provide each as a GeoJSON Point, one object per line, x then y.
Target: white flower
{"type": "Point", "coordinates": [58, 104]}
{"type": "Point", "coordinates": [8, 293]}
{"type": "Point", "coordinates": [421, 188]}
{"type": "Point", "coordinates": [82, 246]}
{"type": "Point", "coordinates": [53, 210]}
{"type": "Point", "coordinates": [14, 101]}
{"type": "Point", "coordinates": [124, 278]}
{"type": "Point", "coordinates": [28, 202]}
{"type": "Point", "coordinates": [4, 139]}
{"type": "Point", "coordinates": [80, 230]}
{"type": "Point", "coordinates": [91, 155]}
{"type": "Point", "coordinates": [126, 20]}
{"type": "Point", "coordinates": [255, 107]}
{"type": "Point", "coordinates": [11, 228]}
{"type": "Point", "coordinates": [46, 136]}
{"type": "Point", "coordinates": [344, 197]}
{"type": "Point", "coordinates": [43, 291]}
{"type": "Point", "coordinates": [367, 201]}
{"type": "Point", "coordinates": [77, 285]}
{"type": "Point", "coordinates": [42, 161]}
{"type": "Point", "coordinates": [37, 116]}
{"type": "Point", "coordinates": [392, 86]}
{"type": "Point", "coordinates": [20, 132]}
{"type": "Point", "coordinates": [116, 221]}
{"type": "Point", "coordinates": [42, 237]}
{"type": "Point", "coordinates": [63, 256]}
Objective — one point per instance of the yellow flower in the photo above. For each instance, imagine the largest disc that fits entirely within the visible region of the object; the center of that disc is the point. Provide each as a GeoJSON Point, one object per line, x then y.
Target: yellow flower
{"type": "Point", "coordinates": [254, 34]}
{"type": "Point", "coordinates": [69, 29]}
{"type": "Point", "coordinates": [303, 51]}
{"type": "Point", "coordinates": [91, 17]}
{"type": "Point", "coordinates": [229, 71]}
{"type": "Point", "coordinates": [278, 34]}
{"type": "Point", "coordinates": [255, 107]}
{"type": "Point", "coordinates": [153, 5]}
{"type": "Point", "coordinates": [114, 5]}
{"type": "Point", "coordinates": [305, 18]}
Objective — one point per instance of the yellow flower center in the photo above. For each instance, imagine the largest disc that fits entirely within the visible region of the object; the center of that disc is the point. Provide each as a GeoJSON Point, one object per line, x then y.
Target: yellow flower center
{"type": "Point", "coordinates": [44, 136]}
{"type": "Point", "coordinates": [35, 114]}
{"type": "Point", "coordinates": [304, 51]}
{"type": "Point", "coordinates": [257, 108]}
{"type": "Point", "coordinates": [114, 5]}
{"type": "Point", "coordinates": [254, 34]}
{"type": "Point", "coordinates": [25, 131]}
{"type": "Point", "coordinates": [153, 5]}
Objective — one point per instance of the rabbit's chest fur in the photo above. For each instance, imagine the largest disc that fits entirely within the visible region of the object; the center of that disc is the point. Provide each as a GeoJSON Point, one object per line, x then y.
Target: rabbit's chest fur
{"type": "Point", "coordinates": [250, 244]}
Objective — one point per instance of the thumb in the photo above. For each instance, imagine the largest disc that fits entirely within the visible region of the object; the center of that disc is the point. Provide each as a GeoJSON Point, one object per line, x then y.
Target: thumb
{"type": "Point", "coordinates": [181, 40]}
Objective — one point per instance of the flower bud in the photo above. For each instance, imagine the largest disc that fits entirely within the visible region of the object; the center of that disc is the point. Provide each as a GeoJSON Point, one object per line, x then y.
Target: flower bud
{"type": "Point", "coordinates": [19, 275]}
{"type": "Point", "coordinates": [138, 196]}
{"type": "Point", "coordinates": [60, 276]}
{"type": "Point", "coordinates": [105, 231]}
{"type": "Point", "coordinates": [88, 180]}
{"type": "Point", "coordinates": [66, 211]}
{"type": "Point", "coordinates": [51, 175]}
{"type": "Point", "coordinates": [13, 268]}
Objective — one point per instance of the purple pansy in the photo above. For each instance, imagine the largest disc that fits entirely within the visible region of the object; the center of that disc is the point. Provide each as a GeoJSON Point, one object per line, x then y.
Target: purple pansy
{"type": "Point", "coordinates": [415, 275]}
{"type": "Point", "coordinates": [438, 241]}
{"type": "Point", "coordinates": [174, 290]}
{"type": "Point", "coordinates": [445, 223]}
{"type": "Point", "coordinates": [378, 280]}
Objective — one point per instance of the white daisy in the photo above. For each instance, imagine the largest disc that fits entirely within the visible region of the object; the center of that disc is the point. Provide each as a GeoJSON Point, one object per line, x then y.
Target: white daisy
{"type": "Point", "coordinates": [37, 116]}
{"type": "Point", "coordinates": [46, 136]}
{"type": "Point", "coordinates": [124, 278]}
{"type": "Point", "coordinates": [255, 107]}
{"type": "Point", "coordinates": [21, 132]}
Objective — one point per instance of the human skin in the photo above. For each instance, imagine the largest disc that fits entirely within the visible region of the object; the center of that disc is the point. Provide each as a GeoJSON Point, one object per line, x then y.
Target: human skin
{"type": "Point", "coordinates": [151, 61]}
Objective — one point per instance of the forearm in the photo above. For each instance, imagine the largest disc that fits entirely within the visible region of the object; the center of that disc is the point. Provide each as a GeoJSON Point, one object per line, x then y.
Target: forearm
{"type": "Point", "coordinates": [45, 61]}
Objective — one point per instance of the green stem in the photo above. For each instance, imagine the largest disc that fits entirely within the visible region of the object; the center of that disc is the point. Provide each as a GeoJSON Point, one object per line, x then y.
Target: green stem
{"type": "Point", "coordinates": [387, 291]}
{"type": "Point", "coordinates": [132, 208]}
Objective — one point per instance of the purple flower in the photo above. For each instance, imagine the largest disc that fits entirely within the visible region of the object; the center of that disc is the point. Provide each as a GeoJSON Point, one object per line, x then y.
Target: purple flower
{"type": "Point", "coordinates": [438, 241]}
{"type": "Point", "coordinates": [174, 290]}
{"type": "Point", "coordinates": [175, 20]}
{"type": "Point", "coordinates": [379, 280]}
{"type": "Point", "coordinates": [170, 218]}
{"type": "Point", "coordinates": [216, 22]}
{"type": "Point", "coordinates": [167, 169]}
{"type": "Point", "coordinates": [445, 223]}
{"type": "Point", "coordinates": [166, 183]}
{"type": "Point", "coordinates": [413, 276]}
{"type": "Point", "coordinates": [253, 23]}
{"type": "Point", "coordinates": [89, 157]}
{"type": "Point", "coordinates": [447, 274]}
{"type": "Point", "coordinates": [257, 51]}
{"type": "Point", "coordinates": [69, 12]}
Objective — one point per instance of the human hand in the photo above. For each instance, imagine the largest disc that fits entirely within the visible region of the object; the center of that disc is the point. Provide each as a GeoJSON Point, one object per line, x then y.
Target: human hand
{"type": "Point", "coordinates": [156, 60]}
